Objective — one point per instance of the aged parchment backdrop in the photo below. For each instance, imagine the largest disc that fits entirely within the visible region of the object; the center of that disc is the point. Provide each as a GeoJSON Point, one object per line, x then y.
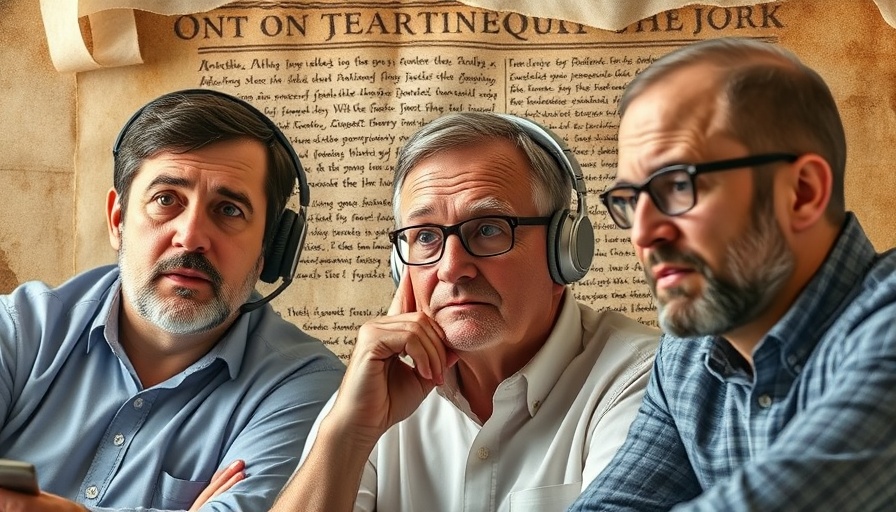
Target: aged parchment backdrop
{"type": "Point", "coordinates": [494, 64]}
{"type": "Point", "coordinates": [37, 146]}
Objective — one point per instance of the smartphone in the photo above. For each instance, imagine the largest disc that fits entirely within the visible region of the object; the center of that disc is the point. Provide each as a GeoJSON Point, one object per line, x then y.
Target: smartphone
{"type": "Point", "coordinates": [18, 476]}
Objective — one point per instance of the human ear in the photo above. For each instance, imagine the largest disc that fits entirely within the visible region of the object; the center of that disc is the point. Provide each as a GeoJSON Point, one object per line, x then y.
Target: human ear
{"type": "Point", "coordinates": [811, 182]}
{"type": "Point", "coordinates": [113, 218]}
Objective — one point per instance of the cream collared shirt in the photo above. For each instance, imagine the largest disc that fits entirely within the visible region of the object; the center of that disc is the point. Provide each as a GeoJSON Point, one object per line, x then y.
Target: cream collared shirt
{"type": "Point", "coordinates": [555, 424]}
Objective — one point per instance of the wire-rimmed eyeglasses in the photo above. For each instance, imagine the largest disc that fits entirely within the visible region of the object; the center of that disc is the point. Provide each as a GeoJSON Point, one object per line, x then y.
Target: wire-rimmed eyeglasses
{"type": "Point", "coordinates": [424, 244]}
{"type": "Point", "coordinates": [672, 189]}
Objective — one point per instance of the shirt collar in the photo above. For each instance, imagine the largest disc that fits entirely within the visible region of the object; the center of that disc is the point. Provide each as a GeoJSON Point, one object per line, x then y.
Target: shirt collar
{"type": "Point", "coordinates": [230, 349]}
{"type": "Point", "coordinates": [106, 318]}
{"type": "Point", "coordinates": [541, 373]}
{"type": "Point", "coordinates": [827, 293]}
{"type": "Point", "coordinates": [545, 368]}
{"type": "Point", "coordinates": [809, 317]}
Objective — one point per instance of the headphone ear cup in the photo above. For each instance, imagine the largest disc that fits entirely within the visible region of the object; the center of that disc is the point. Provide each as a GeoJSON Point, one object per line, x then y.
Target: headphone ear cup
{"type": "Point", "coordinates": [570, 247]}
{"type": "Point", "coordinates": [555, 229]}
{"type": "Point", "coordinates": [273, 255]}
{"type": "Point", "coordinates": [580, 249]}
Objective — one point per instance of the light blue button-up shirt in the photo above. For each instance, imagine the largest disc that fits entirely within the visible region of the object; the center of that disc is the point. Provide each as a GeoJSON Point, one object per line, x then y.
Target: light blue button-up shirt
{"type": "Point", "coordinates": [71, 403]}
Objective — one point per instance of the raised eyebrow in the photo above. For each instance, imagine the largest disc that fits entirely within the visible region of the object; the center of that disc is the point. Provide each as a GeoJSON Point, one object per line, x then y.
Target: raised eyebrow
{"type": "Point", "coordinates": [168, 180]}
{"type": "Point", "coordinates": [623, 184]}
{"type": "Point", "coordinates": [485, 207]}
{"type": "Point", "coordinates": [416, 213]}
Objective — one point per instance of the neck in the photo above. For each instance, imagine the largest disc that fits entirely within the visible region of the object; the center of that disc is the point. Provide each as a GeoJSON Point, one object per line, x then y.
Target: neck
{"type": "Point", "coordinates": [480, 373]}
{"type": "Point", "coordinates": [157, 355]}
{"type": "Point", "coordinates": [810, 250]}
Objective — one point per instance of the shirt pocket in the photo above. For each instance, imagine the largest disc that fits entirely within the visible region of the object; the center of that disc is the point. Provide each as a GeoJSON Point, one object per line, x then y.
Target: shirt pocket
{"type": "Point", "coordinates": [177, 494]}
{"type": "Point", "coordinates": [544, 499]}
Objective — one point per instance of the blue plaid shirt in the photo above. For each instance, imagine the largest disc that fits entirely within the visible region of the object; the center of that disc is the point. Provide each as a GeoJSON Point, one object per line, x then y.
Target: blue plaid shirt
{"type": "Point", "coordinates": [813, 428]}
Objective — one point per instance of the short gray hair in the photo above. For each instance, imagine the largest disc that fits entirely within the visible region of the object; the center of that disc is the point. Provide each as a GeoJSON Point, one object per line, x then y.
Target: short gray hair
{"type": "Point", "coordinates": [551, 185]}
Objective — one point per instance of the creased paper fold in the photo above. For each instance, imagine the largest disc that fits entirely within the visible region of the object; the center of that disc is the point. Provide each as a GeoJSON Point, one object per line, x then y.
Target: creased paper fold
{"type": "Point", "coordinates": [113, 29]}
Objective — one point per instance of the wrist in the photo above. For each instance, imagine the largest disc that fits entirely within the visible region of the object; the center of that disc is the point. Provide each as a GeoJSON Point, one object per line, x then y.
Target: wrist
{"type": "Point", "coordinates": [339, 428]}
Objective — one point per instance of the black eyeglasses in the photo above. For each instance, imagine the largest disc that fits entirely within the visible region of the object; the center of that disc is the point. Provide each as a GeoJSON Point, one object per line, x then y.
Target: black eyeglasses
{"type": "Point", "coordinates": [672, 189]}
{"type": "Point", "coordinates": [424, 244]}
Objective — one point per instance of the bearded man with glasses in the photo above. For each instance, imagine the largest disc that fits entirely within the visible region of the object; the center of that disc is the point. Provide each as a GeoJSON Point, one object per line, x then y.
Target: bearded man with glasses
{"type": "Point", "coordinates": [773, 385]}
{"type": "Point", "coordinates": [514, 395]}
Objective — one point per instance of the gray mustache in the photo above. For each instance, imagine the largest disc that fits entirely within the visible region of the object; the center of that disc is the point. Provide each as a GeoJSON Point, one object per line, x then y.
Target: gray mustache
{"type": "Point", "coordinates": [191, 260]}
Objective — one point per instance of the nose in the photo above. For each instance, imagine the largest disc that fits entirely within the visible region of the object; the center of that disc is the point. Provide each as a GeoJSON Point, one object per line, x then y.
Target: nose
{"type": "Point", "coordinates": [650, 226]}
{"type": "Point", "coordinates": [456, 263]}
{"type": "Point", "coordinates": [191, 230]}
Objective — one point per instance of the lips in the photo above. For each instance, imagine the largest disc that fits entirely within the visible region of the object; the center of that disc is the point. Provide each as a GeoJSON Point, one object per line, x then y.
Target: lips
{"type": "Point", "coordinates": [669, 275]}
{"type": "Point", "coordinates": [188, 272]}
{"type": "Point", "coordinates": [459, 304]}
{"type": "Point", "coordinates": [188, 269]}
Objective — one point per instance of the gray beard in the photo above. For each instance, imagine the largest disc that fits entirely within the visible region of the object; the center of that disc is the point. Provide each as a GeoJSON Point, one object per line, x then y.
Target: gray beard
{"type": "Point", "coordinates": [758, 264]}
{"type": "Point", "coordinates": [184, 316]}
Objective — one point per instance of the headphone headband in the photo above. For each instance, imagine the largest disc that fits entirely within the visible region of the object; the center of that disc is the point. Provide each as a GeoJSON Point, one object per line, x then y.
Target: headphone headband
{"type": "Point", "coordinates": [557, 148]}
{"type": "Point", "coordinates": [304, 190]}
{"type": "Point", "coordinates": [570, 240]}
{"type": "Point", "coordinates": [281, 257]}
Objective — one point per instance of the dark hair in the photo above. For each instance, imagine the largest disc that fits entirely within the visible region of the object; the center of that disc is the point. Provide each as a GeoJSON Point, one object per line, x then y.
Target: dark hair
{"type": "Point", "coordinates": [188, 120]}
{"type": "Point", "coordinates": [551, 185]}
{"type": "Point", "coordinates": [774, 102]}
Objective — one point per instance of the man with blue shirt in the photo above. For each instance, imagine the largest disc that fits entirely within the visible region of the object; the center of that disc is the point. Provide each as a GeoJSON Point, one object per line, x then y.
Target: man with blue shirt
{"type": "Point", "coordinates": [130, 386]}
{"type": "Point", "coordinates": [773, 387]}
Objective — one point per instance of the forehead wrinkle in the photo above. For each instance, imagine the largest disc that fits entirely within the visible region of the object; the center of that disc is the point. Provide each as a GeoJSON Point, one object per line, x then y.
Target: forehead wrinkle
{"type": "Point", "coordinates": [475, 180]}
{"type": "Point", "coordinates": [478, 208]}
{"type": "Point", "coordinates": [171, 181]}
{"type": "Point", "coordinates": [669, 128]}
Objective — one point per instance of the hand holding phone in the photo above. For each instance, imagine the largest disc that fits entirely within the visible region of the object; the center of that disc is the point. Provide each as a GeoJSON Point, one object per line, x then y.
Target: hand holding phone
{"type": "Point", "coordinates": [18, 476]}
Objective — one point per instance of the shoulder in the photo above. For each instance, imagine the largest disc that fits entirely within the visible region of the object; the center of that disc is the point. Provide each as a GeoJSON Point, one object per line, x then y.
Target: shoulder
{"type": "Point", "coordinates": [36, 301]}
{"type": "Point", "coordinates": [616, 336]}
{"type": "Point", "coordinates": [92, 284]}
{"type": "Point", "coordinates": [865, 325]}
{"type": "Point", "coordinates": [272, 336]}
{"type": "Point", "coordinates": [879, 286]}
{"type": "Point", "coordinates": [680, 377]}
{"type": "Point", "coordinates": [617, 355]}
{"type": "Point", "coordinates": [676, 355]}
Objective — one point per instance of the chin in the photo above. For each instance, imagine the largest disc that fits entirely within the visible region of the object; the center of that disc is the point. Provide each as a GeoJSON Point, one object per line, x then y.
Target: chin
{"type": "Point", "coordinates": [465, 336]}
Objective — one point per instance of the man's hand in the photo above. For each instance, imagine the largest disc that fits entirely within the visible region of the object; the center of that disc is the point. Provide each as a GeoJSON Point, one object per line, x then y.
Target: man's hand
{"type": "Point", "coordinates": [379, 388]}
{"type": "Point", "coordinates": [11, 501]}
{"type": "Point", "coordinates": [223, 480]}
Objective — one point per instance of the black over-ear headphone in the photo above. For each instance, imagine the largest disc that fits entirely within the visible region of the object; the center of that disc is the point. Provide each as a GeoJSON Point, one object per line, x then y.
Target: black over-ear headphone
{"type": "Point", "coordinates": [281, 256]}
{"type": "Point", "coordinates": [570, 234]}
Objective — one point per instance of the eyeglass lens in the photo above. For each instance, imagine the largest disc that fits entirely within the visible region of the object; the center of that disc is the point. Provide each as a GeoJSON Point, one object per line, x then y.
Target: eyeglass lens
{"type": "Point", "coordinates": [672, 191]}
{"type": "Point", "coordinates": [487, 236]}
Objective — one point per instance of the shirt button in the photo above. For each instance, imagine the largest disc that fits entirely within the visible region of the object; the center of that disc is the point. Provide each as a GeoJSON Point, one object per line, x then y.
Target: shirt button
{"type": "Point", "coordinates": [92, 492]}
{"type": "Point", "coordinates": [482, 453]}
{"type": "Point", "coordinates": [537, 404]}
{"type": "Point", "coordinates": [138, 403]}
{"type": "Point", "coordinates": [765, 401]}
{"type": "Point", "coordinates": [118, 440]}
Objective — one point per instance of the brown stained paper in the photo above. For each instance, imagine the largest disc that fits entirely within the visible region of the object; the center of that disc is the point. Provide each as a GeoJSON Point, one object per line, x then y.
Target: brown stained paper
{"type": "Point", "coordinates": [348, 85]}
{"type": "Point", "coordinates": [114, 36]}
{"type": "Point", "coordinates": [37, 111]}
